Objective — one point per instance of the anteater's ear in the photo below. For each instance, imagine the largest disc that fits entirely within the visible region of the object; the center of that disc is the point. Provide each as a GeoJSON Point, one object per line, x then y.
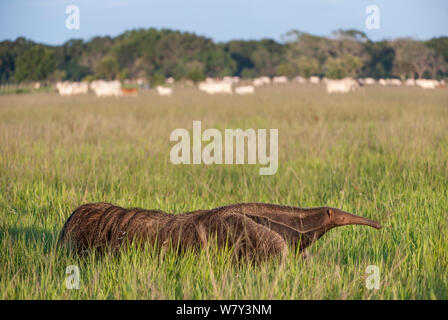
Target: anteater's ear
{"type": "Point", "coordinates": [330, 213]}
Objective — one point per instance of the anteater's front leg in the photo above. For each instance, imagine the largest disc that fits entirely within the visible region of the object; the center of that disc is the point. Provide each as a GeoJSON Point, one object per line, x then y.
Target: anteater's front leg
{"type": "Point", "coordinates": [250, 239]}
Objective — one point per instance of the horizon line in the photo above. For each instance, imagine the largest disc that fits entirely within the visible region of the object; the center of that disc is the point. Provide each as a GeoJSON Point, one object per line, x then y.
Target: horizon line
{"type": "Point", "coordinates": [90, 38]}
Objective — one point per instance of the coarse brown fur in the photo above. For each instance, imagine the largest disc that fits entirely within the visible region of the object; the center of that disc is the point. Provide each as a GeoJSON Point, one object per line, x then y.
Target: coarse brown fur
{"type": "Point", "coordinates": [253, 230]}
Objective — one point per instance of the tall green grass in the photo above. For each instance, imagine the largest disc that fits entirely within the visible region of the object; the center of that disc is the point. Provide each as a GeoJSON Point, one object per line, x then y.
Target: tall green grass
{"type": "Point", "coordinates": [381, 153]}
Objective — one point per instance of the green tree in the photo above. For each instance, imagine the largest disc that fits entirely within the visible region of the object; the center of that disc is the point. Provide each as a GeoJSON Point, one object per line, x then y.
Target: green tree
{"type": "Point", "coordinates": [6, 65]}
{"type": "Point", "coordinates": [415, 57]}
{"type": "Point", "coordinates": [57, 75]}
{"type": "Point", "coordinates": [346, 66]}
{"type": "Point", "coordinates": [286, 69]}
{"type": "Point", "coordinates": [335, 69]}
{"type": "Point", "coordinates": [380, 60]}
{"type": "Point", "coordinates": [158, 54]}
{"type": "Point", "coordinates": [307, 66]}
{"type": "Point", "coordinates": [195, 71]}
{"type": "Point", "coordinates": [157, 78]}
{"type": "Point", "coordinates": [248, 73]}
{"type": "Point", "coordinates": [36, 64]}
{"type": "Point", "coordinates": [107, 68]}
{"type": "Point", "coordinates": [241, 52]}
{"type": "Point", "coordinates": [308, 52]}
{"type": "Point", "coordinates": [440, 46]}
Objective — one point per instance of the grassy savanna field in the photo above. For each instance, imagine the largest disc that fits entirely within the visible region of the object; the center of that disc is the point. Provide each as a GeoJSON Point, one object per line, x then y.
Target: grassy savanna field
{"type": "Point", "coordinates": [381, 153]}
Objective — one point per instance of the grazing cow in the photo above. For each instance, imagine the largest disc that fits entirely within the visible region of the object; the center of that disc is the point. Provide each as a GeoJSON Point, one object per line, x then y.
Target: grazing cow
{"type": "Point", "coordinates": [427, 83]}
{"type": "Point", "coordinates": [369, 81]}
{"type": "Point", "coordinates": [314, 80]}
{"type": "Point", "coordinates": [393, 82]}
{"type": "Point", "coordinates": [390, 82]}
{"type": "Point", "coordinates": [227, 79]}
{"type": "Point", "coordinates": [141, 81]}
{"type": "Point", "coordinates": [164, 91]}
{"type": "Point", "coordinates": [366, 81]}
{"type": "Point", "coordinates": [218, 87]}
{"type": "Point", "coordinates": [266, 80]}
{"type": "Point", "coordinates": [342, 86]}
{"type": "Point", "coordinates": [130, 92]}
{"type": "Point", "coordinates": [410, 82]}
{"type": "Point", "coordinates": [258, 82]}
{"type": "Point", "coordinates": [231, 80]}
{"type": "Point", "coordinates": [106, 88]}
{"type": "Point", "coordinates": [261, 81]}
{"type": "Point", "coordinates": [280, 80]}
{"type": "Point", "coordinates": [245, 90]}
{"type": "Point", "coordinates": [64, 88]}
{"type": "Point", "coordinates": [236, 79]}
{"type": "Point", "coordinates": [300, 80]}
{"type": "Point", "coordinates": [68, 88]}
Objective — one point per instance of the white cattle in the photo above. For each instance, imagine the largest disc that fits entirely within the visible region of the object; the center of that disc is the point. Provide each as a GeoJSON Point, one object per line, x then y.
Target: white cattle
{"type": "Point", "coordinates": [141, 81]}
{"type": "Point", "coordinates": [236, 79]}
{"type": "Point", "coordinates": [342, 86]}
{"type": "Point", "coordinates": [280, 80]}
{"type": "Point", "coordinates": [427, 83]}
{"type": "Point", "coordinates": [314, 80]}
{"type": "Point", "coordinates": [261, 81]}
{"type": "Point", "coordinates": [170, 80]}
{"type": "Point", "coordinates": [68, 88]}
{"type": "Point", "coordinates": [164, 91]}
{"type": "Point", "coordinates": [227, 79]}
{"type": "Point", "coordinates": [266, 80]}
{"type": "Point", "coordinates": [231, 80]}
{"type": "Point", "coordinates": [393, 82]}
{"type": "Point", "coordinates": [382, 82]}
{"type": "Point", "coordinates": [258, 82]}
{"type": "Point", "coordinates": [64, 88]}
{"type": "Point", "coordinates": [81, 87]}
{"type": "Point", "coordinates": [106, 88]}
{"type": "Point", "coordinates": [300, 80]}
{"type": "Point", "coordinates": [245, 90]}
{"type": "Point", "coordinates": [410, 82]}
{"type": "Point", "coordinates": [216, 87]}
{"type": "Point", "coordinates": [95, 84]}
{"type": "Point", "coordinates": [366, 81]}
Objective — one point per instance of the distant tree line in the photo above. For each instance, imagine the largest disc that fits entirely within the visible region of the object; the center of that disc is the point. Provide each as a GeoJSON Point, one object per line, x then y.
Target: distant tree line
{"type": "Point", "coordinates": [158, 54]}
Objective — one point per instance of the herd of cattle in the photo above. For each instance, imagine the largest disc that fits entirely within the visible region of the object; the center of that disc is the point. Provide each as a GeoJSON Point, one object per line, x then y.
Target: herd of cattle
{"type": "Point", "coordinates": [229, 85]}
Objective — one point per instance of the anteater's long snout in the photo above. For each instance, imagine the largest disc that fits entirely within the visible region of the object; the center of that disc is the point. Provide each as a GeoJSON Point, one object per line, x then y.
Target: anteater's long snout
{"type": "Point", "coordinates": [344, 218]}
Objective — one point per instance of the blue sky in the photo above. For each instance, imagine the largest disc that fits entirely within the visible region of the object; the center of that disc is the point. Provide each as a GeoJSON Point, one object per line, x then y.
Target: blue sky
{"type": "Point", "coordinates": [221, 20]}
